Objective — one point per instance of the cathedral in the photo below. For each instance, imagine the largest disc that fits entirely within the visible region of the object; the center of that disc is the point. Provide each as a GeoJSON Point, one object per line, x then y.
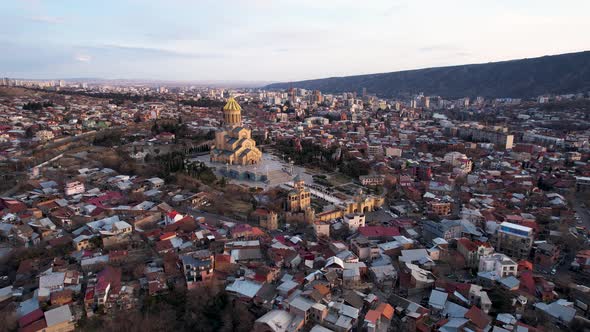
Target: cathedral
{"type": "Point", "coordinates": [234, 144]}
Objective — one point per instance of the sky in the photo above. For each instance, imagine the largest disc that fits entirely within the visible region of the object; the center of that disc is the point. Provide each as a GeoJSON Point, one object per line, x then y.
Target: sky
{"type": "Point", "coordinates": [276, 40]}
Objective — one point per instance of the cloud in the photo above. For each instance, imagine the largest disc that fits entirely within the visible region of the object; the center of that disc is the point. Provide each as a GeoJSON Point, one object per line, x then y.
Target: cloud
{"type": "Point", "coordinates": [158, 52]}
{"type": "Point", "coordinates": [82, 58]}
{"type": "Point", "coordinates": [47, 19]}
{"type": "Point", "coordinates": [174, 36]}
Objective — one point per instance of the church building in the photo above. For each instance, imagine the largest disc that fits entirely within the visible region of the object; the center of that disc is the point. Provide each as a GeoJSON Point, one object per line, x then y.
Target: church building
{"type": "Point", "coordinates": [234, 144]}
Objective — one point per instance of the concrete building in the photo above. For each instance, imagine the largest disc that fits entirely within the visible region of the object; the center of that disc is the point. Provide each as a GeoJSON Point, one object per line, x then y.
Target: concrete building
{"type": "Point", "coordinates": [364, 249]}
{"type": "Point", "coordinates": [439, 208]}
{"type": "Point", "coordinates": [500, 264]}
{"type": "Point", "coordinates": [458, 161]}
{"type": "Point", "coordinates": [198, 267]}
{"type": "Point", "coordinates": [446, 229]}
{"type": "Point", "coordinates": [321, 228]}
{"type": "Point", "coordinates": [514, 240]}
{"type": "Point", "coordinates": [498, 137]}
{"type": "Point", "coordinates": [472, 251]}
{"type": "Point", "coordinates": [354, 220]}
{"type": "Point", "coordinates": [74, 188]}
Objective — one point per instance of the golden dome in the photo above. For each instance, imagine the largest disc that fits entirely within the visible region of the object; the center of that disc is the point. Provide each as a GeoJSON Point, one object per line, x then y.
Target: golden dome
{"type": "Point", "coordinates": [232, 105]}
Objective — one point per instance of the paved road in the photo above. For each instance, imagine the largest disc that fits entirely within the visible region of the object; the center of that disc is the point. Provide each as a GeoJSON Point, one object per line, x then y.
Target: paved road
{"type": "Point", "coordinates": [583, 212]}
{"type": "Point", "coordinates": [209, 216]}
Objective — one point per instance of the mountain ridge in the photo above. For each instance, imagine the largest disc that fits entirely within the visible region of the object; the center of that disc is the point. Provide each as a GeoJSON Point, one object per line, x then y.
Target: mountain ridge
{"type": "Point", "coordinates": [520, 78]}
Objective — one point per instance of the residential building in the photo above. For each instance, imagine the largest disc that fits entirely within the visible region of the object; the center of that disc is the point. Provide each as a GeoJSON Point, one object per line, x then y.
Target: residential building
{"type": "Point", "coordinates": [514, 240]}
{"type": "Point", "coordinates": [501, 265]}
{"type": "Point", "coordinates": [74, 188]}
{"type": "Point", "coordinates": [354, 221]}
{"type": "Point", "coordinates": [472, 251]}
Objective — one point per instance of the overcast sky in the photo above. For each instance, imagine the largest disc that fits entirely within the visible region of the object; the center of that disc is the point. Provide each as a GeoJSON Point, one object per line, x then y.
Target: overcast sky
{"type": "Point", "coordinates": [276, 40]}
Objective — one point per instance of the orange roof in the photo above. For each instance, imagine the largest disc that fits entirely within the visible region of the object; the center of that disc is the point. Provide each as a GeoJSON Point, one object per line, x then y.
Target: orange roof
{"type": "Point", "coordinates": [386, 310]}
{"type": "Point", "coordinates": [220, 258]}
{"type": "Point", "coordinates": [257, 231]}
{"type": "Point", "coordinates": [372, 316]}
{"type": "Point", "coordinates": [322, 289]}
{"type": "Point", "coordinates": [525, 265]}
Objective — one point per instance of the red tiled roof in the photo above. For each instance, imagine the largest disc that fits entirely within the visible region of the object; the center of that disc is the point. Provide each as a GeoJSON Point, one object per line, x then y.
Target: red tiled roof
{"type": "Point", "coordinates": [372, 316]}
{"type": "Point", "coordinates": [35, 326]}
{"type": "Point", "coordinates": [477, 317]}
{"type": "Point", "coordinates": [98, 201]}
{"type": "Point", "coordinates": [379, 231]}
{"type": "Point", "coordinates": [153, 234]}
{"type": "Point", "coordinates": [164, 245]}
{"type": "Point", "coordinates": [472, 245]}
{"type": "Point", "coordinates": [525, 265]}
{"type": "Point", "coordinates": [30, 317]}
{"type": "Point", "coordinates": [109, 276]}
{"type": "Point", "coordinates": [167, 236]}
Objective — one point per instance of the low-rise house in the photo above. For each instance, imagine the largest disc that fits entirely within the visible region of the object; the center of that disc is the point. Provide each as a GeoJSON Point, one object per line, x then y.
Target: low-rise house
{"type": "Point", "coordinates": [546, 255]}
{"type": "Point", "coordinates": [301, 306]}
{"type": "Point", "coordinates": [278, 321]}
{"type": "Point", "coordinates": [559, 311]}
{"type": "Point", "coordinates": [472, 251]}
{"type": "Point", "coordinates": [244, 289]}
{"type": "Point", "coordinates": [59, 319]}
{"type": "Point", "coordinates": [198, 267]}
{"type": "Point", "coordinates": [500, 264]}
{"type": "Point", "coordinates": [364, 249]}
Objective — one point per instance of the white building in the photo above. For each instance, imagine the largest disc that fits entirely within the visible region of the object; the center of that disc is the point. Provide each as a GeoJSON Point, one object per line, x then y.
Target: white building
{"type": "Point", "coordinates": [74, 187]}
{"type": "Point", "coordinates": [354, 221]}
{"type": "Point", "coordinates": [459, 161]}
{"type": "Point", "coordinates": [502, 265]}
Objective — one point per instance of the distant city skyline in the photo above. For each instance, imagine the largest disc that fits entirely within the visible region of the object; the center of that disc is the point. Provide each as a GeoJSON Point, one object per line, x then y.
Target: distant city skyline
{"type": "Point", "coordinates": [273, 40]}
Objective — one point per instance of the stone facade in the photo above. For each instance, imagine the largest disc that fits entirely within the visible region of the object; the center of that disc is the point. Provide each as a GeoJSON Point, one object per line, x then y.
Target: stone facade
{"type": "Point", "coordinates": [234, 144]}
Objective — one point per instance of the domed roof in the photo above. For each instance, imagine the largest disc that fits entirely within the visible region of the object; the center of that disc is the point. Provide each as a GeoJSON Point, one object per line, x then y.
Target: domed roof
{"type": "Point", "coordinates": [232, 105]}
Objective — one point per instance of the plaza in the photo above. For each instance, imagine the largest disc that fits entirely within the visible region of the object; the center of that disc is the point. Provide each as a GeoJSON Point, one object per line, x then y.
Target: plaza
{"type": "Point", "coordinates": [269, 172]}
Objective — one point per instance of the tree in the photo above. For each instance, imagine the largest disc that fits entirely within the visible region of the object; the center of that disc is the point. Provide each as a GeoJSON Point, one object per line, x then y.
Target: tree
{"type": "Point", "coordinates": [29, 132]}
{"type": "Point", "coordinates": [8, 319]}
{"type": "Point", "coordinates": [96, 241]}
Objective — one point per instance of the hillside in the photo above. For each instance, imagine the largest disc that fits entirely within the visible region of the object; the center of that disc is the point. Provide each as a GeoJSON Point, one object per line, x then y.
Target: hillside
{"type": "Point", "coordinates": [557, 74]}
